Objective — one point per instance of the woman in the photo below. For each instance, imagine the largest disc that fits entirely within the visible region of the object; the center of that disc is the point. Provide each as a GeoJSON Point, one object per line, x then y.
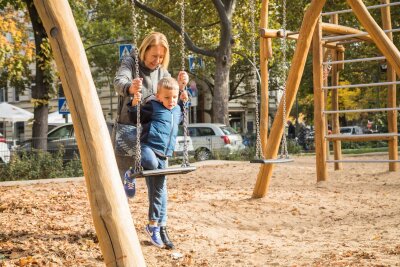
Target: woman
{"type": "Point", "coordinates": [153, 63]}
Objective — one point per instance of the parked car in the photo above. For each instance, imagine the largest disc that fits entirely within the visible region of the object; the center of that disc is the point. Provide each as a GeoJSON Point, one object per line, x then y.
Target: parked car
{"type": "Point", "coordinates": [2, 139]}
{"type": "Point", "coordinates": [60, 136]}
{"type": "Point", "coordinates": [4, 152]}
{"type": "Point", "coordinates": [207, 139]}
{"type": "Point", "coordinates": [350, 130]}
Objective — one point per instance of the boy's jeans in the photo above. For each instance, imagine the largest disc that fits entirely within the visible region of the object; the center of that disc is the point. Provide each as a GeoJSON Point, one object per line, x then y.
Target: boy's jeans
{"type": "Point", "coordinates": [156, 187]}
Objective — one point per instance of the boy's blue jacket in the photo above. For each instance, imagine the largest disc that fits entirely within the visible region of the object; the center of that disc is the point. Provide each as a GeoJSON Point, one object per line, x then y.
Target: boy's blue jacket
{"type": "Point", "coordinates": [159, 125]}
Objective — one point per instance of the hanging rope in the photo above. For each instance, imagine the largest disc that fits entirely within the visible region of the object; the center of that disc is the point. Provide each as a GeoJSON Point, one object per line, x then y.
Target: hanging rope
{"type": "Point", "coordinates": [259, 153]}
{"type": "Point", "coordinates": [138, 151]}
{"type": "Point", "coordinates": [185, 160]}
{"type": "Point", "coordinates": [284, 150]}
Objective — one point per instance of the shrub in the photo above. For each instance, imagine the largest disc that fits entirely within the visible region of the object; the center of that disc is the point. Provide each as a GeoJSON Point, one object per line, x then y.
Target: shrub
{"type": "Point", "coordinates": [39, 165]}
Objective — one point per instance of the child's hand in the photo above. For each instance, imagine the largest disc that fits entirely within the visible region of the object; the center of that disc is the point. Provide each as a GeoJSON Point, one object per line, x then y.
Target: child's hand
{"type": "Point", "coordinates": [136, 98]}
{"type": "Point", "coordinates": [183, 79]}
{"type": "Point", "coordinates": [184, 96]}
{"type": "Point", "coordinates": [136, 86]}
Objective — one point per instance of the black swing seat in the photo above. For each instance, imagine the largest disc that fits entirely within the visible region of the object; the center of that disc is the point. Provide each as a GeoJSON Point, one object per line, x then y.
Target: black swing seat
{"type": "Point", "coordinates": [167, 171]}
{"type": "Point", "coordinates": [272, 161]}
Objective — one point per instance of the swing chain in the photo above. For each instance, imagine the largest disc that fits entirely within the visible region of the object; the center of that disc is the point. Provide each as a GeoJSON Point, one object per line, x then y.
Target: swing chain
{"type": "Point", "coordinates": [185, 160]}
{"type": "Point", "coordinates": [138, 151]}
{"type": "Point", "coordinates": [284, 150]}
{"type": "Point", "coordinates": [259, 153]}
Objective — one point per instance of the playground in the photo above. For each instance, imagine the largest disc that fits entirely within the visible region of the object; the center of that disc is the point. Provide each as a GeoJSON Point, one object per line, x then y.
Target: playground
{"type": "Point", "coordinates": [350, 220]}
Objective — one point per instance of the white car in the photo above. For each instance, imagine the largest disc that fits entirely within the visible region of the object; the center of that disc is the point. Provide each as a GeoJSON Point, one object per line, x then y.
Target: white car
{"type": "Point", "coordinates": [351, 130]}
{"type": "Point", "coordinates": [209, 139]}
{"type": "Point", "coordinates": [4, 150]}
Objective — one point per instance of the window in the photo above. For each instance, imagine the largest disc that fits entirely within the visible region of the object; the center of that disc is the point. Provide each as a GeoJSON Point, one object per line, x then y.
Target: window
{"type": "Point", "coordinates": [205, 131]}
{"type": "Point", "coordinates": [228, 130]}
{"type": "Point", "coordinates": [62, 133]}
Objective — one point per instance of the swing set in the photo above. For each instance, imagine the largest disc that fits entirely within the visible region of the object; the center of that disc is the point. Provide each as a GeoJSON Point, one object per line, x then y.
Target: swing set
{"type": "Point", "coordinates": [110, 211]}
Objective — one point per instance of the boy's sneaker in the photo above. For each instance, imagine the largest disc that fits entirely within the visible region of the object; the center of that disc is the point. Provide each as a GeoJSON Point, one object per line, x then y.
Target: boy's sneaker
{"type": "Point", "coordinates": [165, 238]}
{"type": "Point", "coordinates": [154, 233]}
{"type": "Point", "coordinates": [129, 184]}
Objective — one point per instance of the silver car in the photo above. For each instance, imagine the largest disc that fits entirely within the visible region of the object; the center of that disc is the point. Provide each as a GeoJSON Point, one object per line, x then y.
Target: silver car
{"type": "Point", "coordinates": [209, 139]}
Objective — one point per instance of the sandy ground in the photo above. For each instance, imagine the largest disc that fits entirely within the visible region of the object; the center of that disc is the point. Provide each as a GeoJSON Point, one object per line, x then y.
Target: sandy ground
{"type": "Point", "coordinates": [351, 220]}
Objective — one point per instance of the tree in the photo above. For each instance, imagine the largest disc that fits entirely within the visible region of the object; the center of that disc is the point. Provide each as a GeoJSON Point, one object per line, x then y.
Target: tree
{"type": "Point", "coordinates": [18, 72]}
{"type": "Point", "coordinates": [222, 53]}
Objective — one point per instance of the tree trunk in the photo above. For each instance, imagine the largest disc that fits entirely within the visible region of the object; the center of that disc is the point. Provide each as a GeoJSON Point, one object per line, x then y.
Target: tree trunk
{"type": "Point", "coordinates": [221, 94]}
{"type": "Point", "coordinates": [42, 88]}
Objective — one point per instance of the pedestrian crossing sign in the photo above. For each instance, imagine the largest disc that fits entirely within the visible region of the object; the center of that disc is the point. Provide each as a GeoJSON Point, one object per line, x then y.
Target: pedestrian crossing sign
{"type": "Point", "coordinates": [63, 106]}
{"type": "Point", "coordinates": [124, 50]}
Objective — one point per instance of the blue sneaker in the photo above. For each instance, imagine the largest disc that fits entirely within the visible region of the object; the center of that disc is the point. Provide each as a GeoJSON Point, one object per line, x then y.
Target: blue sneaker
{"type": "Point", "coordinates": [129, 184]}
{"type": "Point", "coordinates": [154, 233]}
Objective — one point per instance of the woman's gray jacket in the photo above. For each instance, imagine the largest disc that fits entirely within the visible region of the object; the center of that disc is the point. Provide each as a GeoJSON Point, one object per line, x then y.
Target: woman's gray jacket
{"type": "Point", "coordinates": [123, 81]}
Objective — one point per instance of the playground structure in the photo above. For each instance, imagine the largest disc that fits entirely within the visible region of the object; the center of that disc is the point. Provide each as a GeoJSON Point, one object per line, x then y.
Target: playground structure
{"type": "Point", "coordinates": [111, 216]}
{"type": "Point", "coordinates": [322, 47]}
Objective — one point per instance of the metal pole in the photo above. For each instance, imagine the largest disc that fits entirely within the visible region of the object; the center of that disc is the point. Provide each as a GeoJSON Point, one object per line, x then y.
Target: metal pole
{"type": "Point", "coordinates": [347, 36]}
{"type": "Point", "coordinates": [351, 10]}
{"type": "Point", "coordinates": [353, 60]}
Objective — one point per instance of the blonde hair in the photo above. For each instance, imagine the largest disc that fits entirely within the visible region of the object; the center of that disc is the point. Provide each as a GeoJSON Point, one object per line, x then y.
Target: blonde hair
{"type": "Point", "coordinates": [168, 83]}
{"type": "Point", "coordinates": [152, 39]}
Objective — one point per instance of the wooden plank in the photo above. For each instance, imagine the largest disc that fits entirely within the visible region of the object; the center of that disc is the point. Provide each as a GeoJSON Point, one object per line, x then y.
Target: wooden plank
{"type": "Point", "coordinates": [361, 138]}
{"type": "Point", "coordinates": [391, 98]}
{"type": "Point", "coordinates": [344, 30]}
{"type": "Point", "coordinates": [382, 41]}
{"type": "Point", "coordinates": [319, 100]}
{"type": "Point", "coordinates": [110, 211]}
{"type": "Point", "coordinates": [337, 146]}
{"type": "Point", "coordinates": [295, 73]}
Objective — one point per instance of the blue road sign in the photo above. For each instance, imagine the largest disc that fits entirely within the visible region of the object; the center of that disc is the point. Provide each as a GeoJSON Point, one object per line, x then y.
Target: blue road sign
{"type": "Point", "coordinates": [124, 50]}
{"type": "Point", "coordinates": [195, 63]}
{"type": "Point", "coordinates": [63, 106]}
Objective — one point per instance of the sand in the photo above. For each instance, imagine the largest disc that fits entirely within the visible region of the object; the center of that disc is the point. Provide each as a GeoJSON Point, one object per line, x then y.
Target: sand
{"type": "Point", "coordinates": [353, 219]}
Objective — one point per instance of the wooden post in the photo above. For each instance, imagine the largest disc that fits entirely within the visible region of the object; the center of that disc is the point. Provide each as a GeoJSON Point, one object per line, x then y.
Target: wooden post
{"type": "Point", "coordinates": [110, 211]}
{"type": "Point", "coordinates": [337, 145]}
{"type": "Point", "coordinates": [319, 100]}
{"type": "Point", "coordinates": [265, 50]}
{"type": "Point", "coordinates": [295, 73]}
{"type": "Point", "coordinates": [326, 53]}
{"type": "Point", "coordinates": [382, 41]}
{"type": "Point", "coordinates": [391, 77]}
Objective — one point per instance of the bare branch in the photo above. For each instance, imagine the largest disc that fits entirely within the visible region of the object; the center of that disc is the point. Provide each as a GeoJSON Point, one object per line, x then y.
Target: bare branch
{"type": "Point", "coordinates": [191, 46]}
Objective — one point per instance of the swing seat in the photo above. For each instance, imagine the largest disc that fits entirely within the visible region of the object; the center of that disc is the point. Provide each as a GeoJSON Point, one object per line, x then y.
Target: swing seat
{"type": "Point", "coordinates": [272, 161]}
{"type": "Point", "coordinates": [167, 171]}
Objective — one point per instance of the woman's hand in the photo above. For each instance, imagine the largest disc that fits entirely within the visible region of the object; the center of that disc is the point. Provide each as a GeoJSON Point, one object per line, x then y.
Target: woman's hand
{"type": "Point", "coordinates": [136, 98]}
{"type": "Point", "coordinates": [183, 79]}
{"type": "Point", "coordinates": [184, 96]}
{"type": "Point", "coordinates": [136, 86]}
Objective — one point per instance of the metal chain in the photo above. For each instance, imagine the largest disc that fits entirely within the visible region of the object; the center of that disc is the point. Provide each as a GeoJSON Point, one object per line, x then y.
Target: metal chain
{"type": "Point", "coordinates": [259, 153]}
{"type": "Point", "coordinates": [138, 151]}
{"type": "Point", "coordinates": [185, 160]}
{"type": "Point", "coordinates": [284, 150]}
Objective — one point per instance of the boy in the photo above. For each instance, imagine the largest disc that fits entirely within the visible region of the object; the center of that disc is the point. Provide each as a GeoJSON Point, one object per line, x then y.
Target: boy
{"type": "Point", "coordinates": [160, 117]}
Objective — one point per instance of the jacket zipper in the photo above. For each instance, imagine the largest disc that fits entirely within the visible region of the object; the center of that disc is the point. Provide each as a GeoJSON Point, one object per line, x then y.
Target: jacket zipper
{"type": "Point", "coordinates": [170, 134]}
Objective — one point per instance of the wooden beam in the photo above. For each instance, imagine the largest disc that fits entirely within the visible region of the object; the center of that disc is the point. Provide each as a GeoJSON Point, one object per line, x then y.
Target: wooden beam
{"type": "Point", "coordinates": [382, 41]}
{"type": "Point", "coordinates": [319, 100]}
{"type": "Point", "coordinates": [362, 138]}
{"type": "Point", "coordinates": [110, 211]}
{"type": "Point", "coordinates": [292, 84]}
{"type": "Point", "coordinates": [391, 98]}
{"type": "Point", "coordinates": [337, 145]}
{"type": "Point", "coordinates": [344, 30]}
